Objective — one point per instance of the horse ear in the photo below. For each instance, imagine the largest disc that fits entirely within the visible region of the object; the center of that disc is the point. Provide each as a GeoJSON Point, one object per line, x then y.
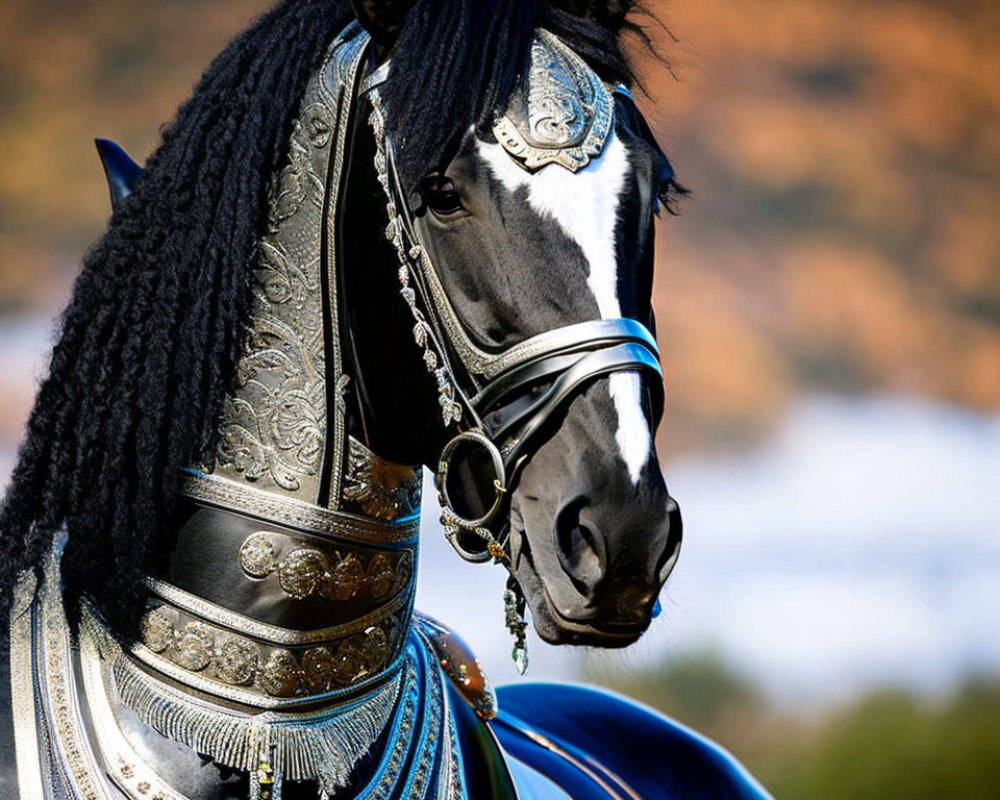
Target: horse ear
{"type": "Point", "coordinates": [120, 170]}
{"type": "Point", "coordinates": [609, 13]}
{"type": "Point", "coordinates": [383, 19]}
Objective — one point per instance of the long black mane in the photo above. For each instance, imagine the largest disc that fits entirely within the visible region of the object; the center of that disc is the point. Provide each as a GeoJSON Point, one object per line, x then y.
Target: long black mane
{"type": "Point", "coordinates": [158, 313]}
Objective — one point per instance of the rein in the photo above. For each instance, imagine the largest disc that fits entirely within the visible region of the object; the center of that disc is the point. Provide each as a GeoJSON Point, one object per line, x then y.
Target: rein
{"type": "Point", "coordinates": [500, 402]}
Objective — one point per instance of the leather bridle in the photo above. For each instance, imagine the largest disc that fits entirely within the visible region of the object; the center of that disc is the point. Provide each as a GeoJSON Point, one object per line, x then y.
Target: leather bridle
{"type": "Point", "coordinates": [506, 400]}
{"type": "Point", "coordinates": [572, 357]}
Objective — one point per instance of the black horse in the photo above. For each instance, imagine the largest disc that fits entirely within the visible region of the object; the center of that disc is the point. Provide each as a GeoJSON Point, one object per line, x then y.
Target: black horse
{"type": "Point", "coordinates": [496, 329]}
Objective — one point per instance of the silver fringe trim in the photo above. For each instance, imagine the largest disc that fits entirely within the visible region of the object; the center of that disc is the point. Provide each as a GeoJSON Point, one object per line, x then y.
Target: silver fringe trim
{"type": "Point", "coordinates": [322, 746]}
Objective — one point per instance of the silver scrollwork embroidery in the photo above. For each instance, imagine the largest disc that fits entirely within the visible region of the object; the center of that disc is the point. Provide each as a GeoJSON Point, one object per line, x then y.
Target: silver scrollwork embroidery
{"type": "Point", "coordinates": [273, 428]}
{"type": "Point", "coordinates": [379, 488]}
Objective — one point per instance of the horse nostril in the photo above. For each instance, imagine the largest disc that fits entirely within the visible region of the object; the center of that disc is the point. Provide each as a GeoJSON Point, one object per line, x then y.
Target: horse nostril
{"type": "Point", "coordinates": [675, 533]}
{"type": "Point", "coordinates": [580, 547]}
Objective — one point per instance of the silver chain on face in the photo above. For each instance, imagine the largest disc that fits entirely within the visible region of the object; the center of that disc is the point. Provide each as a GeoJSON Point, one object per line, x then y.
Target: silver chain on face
{"type": "Point", "coordinates": [451, 409]}
{"type": "Point", "coordinates": [423, 335]}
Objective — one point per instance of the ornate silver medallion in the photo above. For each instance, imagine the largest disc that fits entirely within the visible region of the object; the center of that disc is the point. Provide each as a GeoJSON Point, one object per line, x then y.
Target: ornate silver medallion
{"type": "Point", "coordinates": [559, 114]}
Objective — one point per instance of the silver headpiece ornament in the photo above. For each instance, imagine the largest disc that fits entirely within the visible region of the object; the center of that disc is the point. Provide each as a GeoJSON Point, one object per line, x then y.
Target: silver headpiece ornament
{"type": "Point", "coordinates": [560, 113]}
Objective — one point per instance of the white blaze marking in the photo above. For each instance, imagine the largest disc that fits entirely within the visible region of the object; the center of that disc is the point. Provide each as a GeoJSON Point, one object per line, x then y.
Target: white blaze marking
{"type": "Point", "coordinates": [585, 206]}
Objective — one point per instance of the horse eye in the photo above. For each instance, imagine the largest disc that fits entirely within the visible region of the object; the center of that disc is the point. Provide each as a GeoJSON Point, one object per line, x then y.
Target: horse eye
{"type": "Point", "coordinates": [664, 185]}
{"type": "Point", "coordinates": [440, 196]}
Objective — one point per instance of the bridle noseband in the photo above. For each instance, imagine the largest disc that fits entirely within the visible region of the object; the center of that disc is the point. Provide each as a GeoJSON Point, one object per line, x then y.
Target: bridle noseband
{"type": "Point", "coordinates": [561, 361]}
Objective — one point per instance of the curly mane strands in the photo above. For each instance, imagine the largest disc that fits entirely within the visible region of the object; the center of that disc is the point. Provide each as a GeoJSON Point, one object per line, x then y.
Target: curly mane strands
{"type": "Point", "coordinates": [153, 331]}
{"type": "Point", "coordinates": [153, 328]}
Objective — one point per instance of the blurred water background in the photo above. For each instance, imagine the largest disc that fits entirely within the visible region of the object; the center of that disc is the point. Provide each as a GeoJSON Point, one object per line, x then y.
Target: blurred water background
{"type": "Point", "coordinates": [829, 308]}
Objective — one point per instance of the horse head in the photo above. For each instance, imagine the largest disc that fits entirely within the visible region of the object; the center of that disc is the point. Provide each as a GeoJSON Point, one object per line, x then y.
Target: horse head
{"type": "Point", "coordinates": [530, 257]}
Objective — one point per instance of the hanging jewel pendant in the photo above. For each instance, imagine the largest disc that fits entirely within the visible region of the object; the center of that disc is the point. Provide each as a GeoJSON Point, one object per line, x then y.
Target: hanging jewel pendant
{"type": "Point", "coordinates": [513, 598]}
{"type": "Point", "coordinates": [514, 605]}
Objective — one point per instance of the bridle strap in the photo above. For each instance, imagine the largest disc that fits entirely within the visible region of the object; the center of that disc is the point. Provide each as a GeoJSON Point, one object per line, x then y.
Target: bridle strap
{"type": "Point", "coordinates": [597, 363]}
{"type": "Point", "coordinates": [551, 352]}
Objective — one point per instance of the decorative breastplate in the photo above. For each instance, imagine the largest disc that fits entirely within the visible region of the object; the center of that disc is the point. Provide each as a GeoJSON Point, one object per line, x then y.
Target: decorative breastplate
{"type": "Point", "coordinates": [68, 688]}
{"type": "Point", "coordinates": [292, 577]}
{"type": "Point", "coordinates": [289, 590]}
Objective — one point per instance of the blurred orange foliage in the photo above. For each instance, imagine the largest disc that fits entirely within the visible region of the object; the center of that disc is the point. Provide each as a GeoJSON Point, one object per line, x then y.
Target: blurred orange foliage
{"type": "Point", "coordinates": [843, 154]}
{"type": "Point", "coordinates": [846, 170]}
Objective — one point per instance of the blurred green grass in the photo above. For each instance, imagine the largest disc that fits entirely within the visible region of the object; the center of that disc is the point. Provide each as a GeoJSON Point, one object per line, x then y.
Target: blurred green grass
{"type": "Point", "coordinates": [887, 743]}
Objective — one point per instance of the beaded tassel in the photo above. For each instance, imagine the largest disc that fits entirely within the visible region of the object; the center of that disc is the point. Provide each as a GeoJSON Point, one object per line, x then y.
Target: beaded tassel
{"type": "Point", "coordinates": [265, 783]}
{"type": "Point", "coordinates": [514, 605]}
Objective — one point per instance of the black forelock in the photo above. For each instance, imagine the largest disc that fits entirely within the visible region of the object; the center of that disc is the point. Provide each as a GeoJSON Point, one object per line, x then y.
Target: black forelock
{"type": "Point", "coordinates": [454, 65]}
